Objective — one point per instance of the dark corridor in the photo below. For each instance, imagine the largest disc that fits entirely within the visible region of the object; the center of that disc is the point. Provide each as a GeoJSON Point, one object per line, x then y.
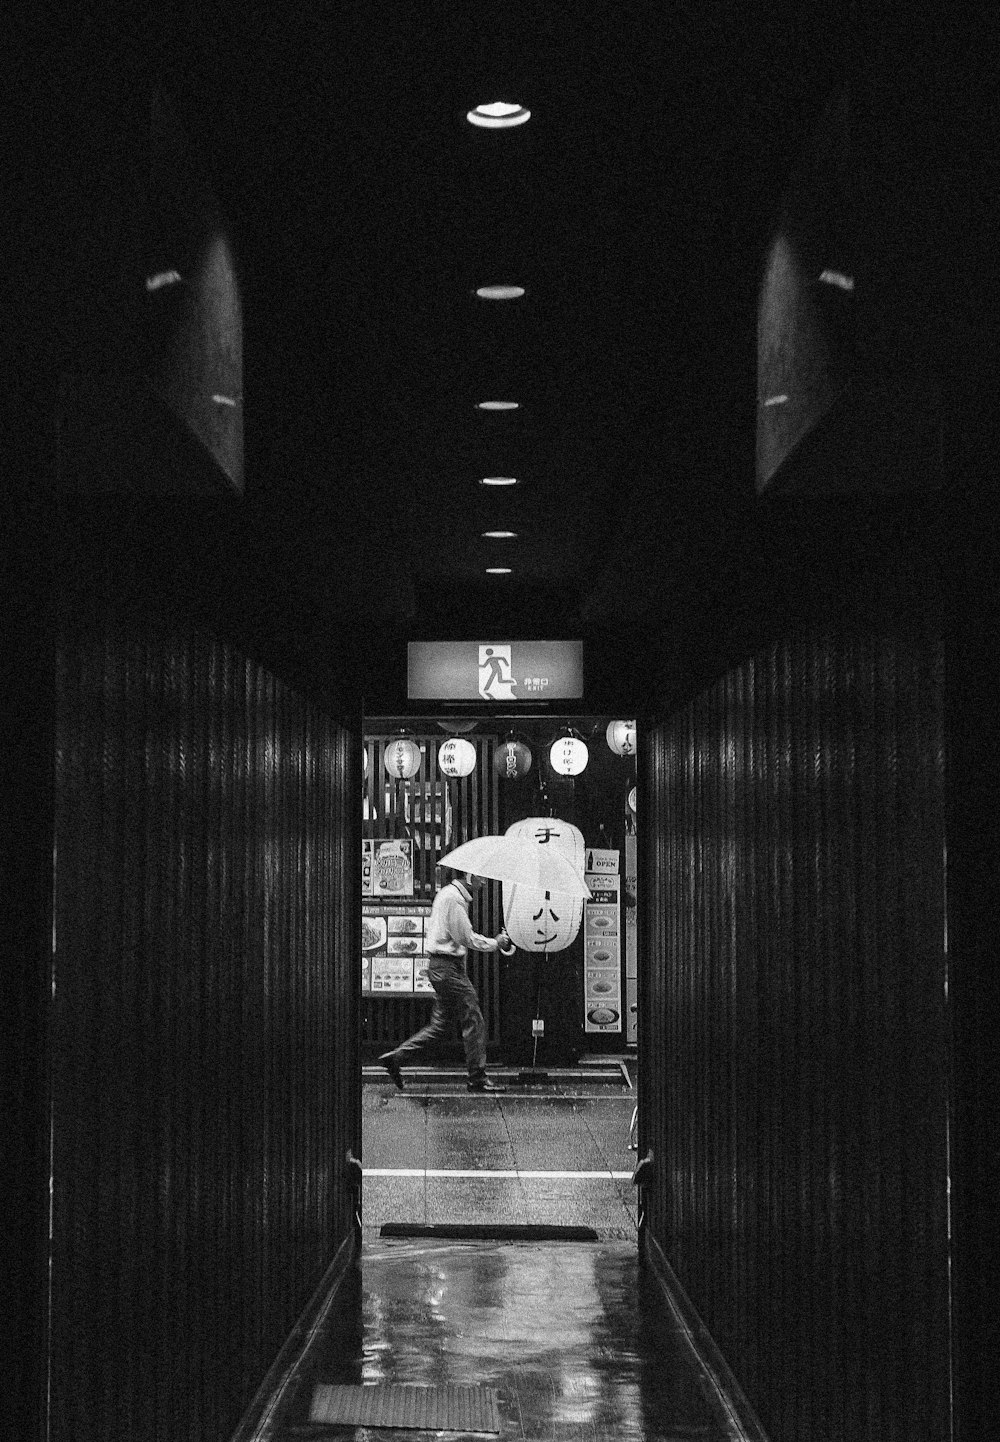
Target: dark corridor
{"type": "Point", "coordinates": [574, 1338]}
{"type": "Point", "coordinates": [655, 331]}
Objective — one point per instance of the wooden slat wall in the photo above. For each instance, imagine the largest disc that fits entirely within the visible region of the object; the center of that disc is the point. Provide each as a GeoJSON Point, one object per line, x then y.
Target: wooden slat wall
{"type": "Point", "coordinates": [205, 1026]}
{"type": "Point", "coordinates": [795, 1026]}
{"type": "Point", "coordinates": [475, 803]}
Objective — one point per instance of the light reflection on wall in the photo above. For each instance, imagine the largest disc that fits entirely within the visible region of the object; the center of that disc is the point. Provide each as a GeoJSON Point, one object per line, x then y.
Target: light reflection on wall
{"type": "Point", "coordinates": [194, 321]}
{"type": "Point", "coordinates": [201, 373]}
{"type": "Point", "coordinates": [805, 318]}
{"type": "Point", "coordinates": [797, 381]}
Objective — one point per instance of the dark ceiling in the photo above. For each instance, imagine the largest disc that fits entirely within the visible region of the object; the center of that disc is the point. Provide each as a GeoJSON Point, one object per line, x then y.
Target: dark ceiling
{"type": "Point", "coordinates": [633, 208]}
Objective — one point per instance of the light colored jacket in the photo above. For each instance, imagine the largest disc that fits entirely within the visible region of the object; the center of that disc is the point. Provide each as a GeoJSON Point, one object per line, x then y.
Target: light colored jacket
{"type": "Point", "coordinates": [449, 930]}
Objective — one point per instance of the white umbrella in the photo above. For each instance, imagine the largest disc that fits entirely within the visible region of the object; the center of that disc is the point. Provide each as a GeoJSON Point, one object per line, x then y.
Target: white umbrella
{"type": "Point", "coordinates": [521, 860]}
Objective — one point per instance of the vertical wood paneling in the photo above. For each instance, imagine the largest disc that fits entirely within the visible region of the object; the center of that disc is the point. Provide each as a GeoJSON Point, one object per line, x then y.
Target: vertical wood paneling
{"type": "Point", "coordinates": [793, 892]}
{"type": "Point", "coordinates": [204, 1026]}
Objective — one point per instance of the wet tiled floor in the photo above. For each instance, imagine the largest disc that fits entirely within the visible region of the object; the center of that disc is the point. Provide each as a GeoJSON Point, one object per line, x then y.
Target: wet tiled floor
{"type": "Point", "coordinates": [575, 1338]}
{"type": "Point", "coordinates": [555, 1157]}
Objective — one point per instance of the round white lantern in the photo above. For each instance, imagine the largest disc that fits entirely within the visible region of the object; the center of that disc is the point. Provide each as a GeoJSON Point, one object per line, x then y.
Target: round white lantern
{"type": "Point", "coordinates": [402, 758]}
{"type": "Point", "coordinates": [621, 737]}
{"type": "Point", "coordinates": [568, 755]}
{"type": "Point", "coordinates": [631, 801]}
{"type": "Point", "coordinates": [457, 757]}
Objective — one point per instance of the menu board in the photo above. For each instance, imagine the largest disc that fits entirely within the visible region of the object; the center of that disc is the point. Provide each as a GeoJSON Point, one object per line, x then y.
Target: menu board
{"type": "Point", "coordinates": [393, 959]}
{"type": "Point", "coordinates": [602, 947]}
{"type": "Point", "coordinates": [631, 944]}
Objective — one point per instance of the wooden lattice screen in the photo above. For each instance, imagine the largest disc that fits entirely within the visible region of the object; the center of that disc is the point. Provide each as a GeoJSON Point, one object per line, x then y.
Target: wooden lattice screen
{"type": "Point", "coordinates": [437, 813]}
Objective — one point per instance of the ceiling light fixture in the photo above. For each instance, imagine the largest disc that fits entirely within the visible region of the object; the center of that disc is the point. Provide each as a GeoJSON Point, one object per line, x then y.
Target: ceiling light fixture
{"type": "Point", "coordinates": [162, 278]}
{"type": "Point", "coordinates": [500, 535]}
{"type": "Point", "coordinates": [500, 292]}
{"type": "Point", "coordinates": [498, 481]}
{"type": "Point", "coordinates": [497, 405]}
{"type": "Point", "coordinates": [498, 570]}
{"type": "Point", "coordinates": [837, 278]}
{"type": "Point", "coordinates": [498, 115]}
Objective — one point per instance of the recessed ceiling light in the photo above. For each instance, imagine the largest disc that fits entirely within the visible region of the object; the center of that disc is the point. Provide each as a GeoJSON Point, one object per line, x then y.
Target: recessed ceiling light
{"type": "Point", "coordinates": [837, 278]}
{"type": "Point", "coordinates": [500, 535]}
{"type": "Point", "coordinates": [498, 570]}
{"type": "Point", "coordinates": [497, 405]}
{"type": "Point", "coordinates": [500, 292]}
{"type": "Point", "coordinates": [498, 481]}
{"type": "Point", "coordinates": [162, 278]}
{"type": "Point", "coordinates": [499, 115]}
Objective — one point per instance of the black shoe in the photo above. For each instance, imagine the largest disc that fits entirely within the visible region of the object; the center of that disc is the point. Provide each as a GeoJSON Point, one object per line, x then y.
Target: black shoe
{"type": "Point", "coordinates": [481, 1084]}
{"type": "Point", "coordinates": [392, 1067]}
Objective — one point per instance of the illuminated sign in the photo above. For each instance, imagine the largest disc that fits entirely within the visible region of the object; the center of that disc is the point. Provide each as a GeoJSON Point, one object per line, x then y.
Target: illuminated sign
{"type": "Point", "coordinates": [495, 671]}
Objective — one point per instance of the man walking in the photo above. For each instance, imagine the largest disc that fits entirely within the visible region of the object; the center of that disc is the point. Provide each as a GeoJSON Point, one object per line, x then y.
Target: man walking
{"type": "Point", "coordinates": [449, 937]}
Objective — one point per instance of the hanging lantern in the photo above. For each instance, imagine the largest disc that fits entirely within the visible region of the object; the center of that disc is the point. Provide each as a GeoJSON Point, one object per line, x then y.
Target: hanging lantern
{"type": "Point", "coordinates": [512, 760]}
{"type": "Point", "coordinates": [457, 757]}
{"type": "Point", "coordinates": [402, 758]}
{"type": "Point", "coordinates": [541, 921]}
{"type": "Point", "coordinates": [568, 755]}
{"type": "Point", "coordinates": [621, 737]}
{"type": "Point", "coordinates": [631, 801]}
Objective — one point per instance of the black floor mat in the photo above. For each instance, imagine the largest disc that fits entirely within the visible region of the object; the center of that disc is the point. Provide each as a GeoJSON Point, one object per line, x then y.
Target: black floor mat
{"type": "Point", "coordinates": [491, 1231]}
{"type": "Point", "coordinates": [449, 1408]}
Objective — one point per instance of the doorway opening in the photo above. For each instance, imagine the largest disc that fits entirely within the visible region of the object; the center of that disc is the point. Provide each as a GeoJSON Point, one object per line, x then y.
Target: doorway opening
{"type": "Point", "coordinates": [557, 1146]}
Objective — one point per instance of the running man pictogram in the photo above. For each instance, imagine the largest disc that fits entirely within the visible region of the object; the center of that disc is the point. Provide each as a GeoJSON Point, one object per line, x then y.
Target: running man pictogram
{"type": "Point", "coordinates": [496, 681]}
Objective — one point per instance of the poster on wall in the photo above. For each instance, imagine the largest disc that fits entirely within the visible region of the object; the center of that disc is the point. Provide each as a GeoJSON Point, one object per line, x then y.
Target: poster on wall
{"type": "Point", "coordinates": [602, 943]}
{"type": "Point", "coordinates": [393, 958]}
{"type": "Point", "coordinates": [605, 863]}
{"type": "Point", "coordinates": [392, 868]}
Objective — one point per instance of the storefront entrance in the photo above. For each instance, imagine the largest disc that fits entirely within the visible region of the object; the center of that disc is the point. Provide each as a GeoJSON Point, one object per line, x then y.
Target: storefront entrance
{"type": "Point", "coordinates": [430, 784]}
{"type": "Point", "coordinates": [555, 1150]}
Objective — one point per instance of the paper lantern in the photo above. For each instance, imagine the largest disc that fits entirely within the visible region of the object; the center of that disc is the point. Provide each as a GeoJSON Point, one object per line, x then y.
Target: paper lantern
{"type": "Point", "coordinates": [631, 801]}
{"type": "Point", "coordinates": [512, 760]}
{"type": "Point", "coordinates": [402, 758]}
{"type": "Point", "coordinates": [457, 757]}
{"type": "Point", "coordinates": [537, 920]}
{"type": "Point", "coordinates": [568, 755]}
{"type": "Point", "coordinates": [621, 737]}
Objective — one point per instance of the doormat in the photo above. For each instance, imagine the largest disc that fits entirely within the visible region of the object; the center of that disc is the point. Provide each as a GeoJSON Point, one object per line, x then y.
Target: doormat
{"type": "Point", "coordinates": [449, 1408]}
{"type": "Point", "coordinates": [491, 1231]}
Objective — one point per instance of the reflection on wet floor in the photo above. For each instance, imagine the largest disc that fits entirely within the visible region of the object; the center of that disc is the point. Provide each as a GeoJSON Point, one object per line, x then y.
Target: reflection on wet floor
{"type": "Point", "coordinates": [574, 1337]}
{"type": "Point", "coordinates": [441, 1157]}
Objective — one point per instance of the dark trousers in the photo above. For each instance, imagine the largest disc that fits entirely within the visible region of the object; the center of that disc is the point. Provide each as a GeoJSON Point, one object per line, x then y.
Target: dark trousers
{"type": "Point", "coordinates": [455, 1004]}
